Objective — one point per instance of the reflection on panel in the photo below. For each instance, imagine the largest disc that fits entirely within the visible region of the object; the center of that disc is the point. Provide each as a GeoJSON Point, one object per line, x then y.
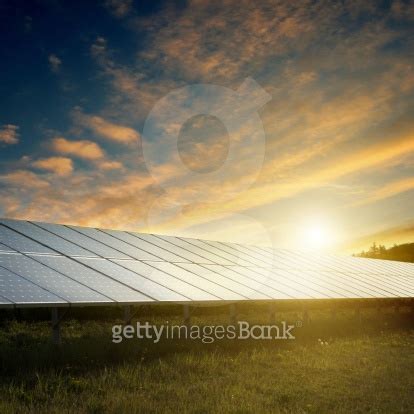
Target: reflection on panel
{"type": "Point", "coordinates": [127, 249]}
{"type": "Point", "coordinates": [174, 248]}
{"type": "Point", "coordinates": [81, 240]}
{"type": "Point", "coordinates": [241, 290]}
{"type": "Point", "coordinates": [196, 250]}
{"type": "Point", "coordinates": [21, 243]}
{"type": "Point", "coordinates": [49, 279]}
{"type": "Point", "coordinates": [166, 280]}
{"type": "Point", "coordinates": [192, 278]}
{"type": "Point", "coordinates": [4, 248]}
{"type": "Point", "coordinates": [134, 280]}
{"type": "Point", "coordinates": [250, 258]}
{"type": "Point", "coordinates": [47, 238]}
{"type": "Point", "coordinates": [97, 281]}
{"type": "Point", "coordinates": [20, 290]}
{"type": "Point", "coordinates": [283, 284]}
{"type": "Point", "coordinates": [318, 287]}
{"type": "Point", "coordinates": [160, 254]}
{"type": "Point", "coordinates": [233, 259]}
{"type": "Point", "coordinates": [260, 291]}
{"type": "Point", "coordinates": [320, 284]}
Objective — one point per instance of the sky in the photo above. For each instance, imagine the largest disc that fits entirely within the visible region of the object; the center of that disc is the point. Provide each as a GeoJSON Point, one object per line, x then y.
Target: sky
{"type": "Point", "coordinates": [272, 122]}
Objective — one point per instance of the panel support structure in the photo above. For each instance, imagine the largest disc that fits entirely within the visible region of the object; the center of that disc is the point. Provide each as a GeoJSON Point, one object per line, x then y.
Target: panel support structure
{"type": "Point", "coordinates": [56, 327]}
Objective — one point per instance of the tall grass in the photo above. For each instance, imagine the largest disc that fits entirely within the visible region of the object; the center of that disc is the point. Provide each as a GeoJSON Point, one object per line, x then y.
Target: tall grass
{"type": "Point", "coordinates": [335, 365]}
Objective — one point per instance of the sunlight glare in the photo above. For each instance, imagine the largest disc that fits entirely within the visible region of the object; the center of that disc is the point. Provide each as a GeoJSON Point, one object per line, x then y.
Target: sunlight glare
{"type": "Point", "coordinates": [317, 235]}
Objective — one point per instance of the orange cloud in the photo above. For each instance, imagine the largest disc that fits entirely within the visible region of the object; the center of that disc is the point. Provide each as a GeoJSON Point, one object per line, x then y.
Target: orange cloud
{"type": "Point", "coordinates": [9, 134]}
{"type": "Point", "coordinates": [106, 129]}
{"type": "Point", "coordinates": [87, 150]}
{"type": "Point", "coordinates": [110, 165]}
{"type": "Point", "coordinates": [25, 179]}
{"type": "Point", "coordinates": [61, 166]}
{"type": "Point", "coordinates": [389, 190]}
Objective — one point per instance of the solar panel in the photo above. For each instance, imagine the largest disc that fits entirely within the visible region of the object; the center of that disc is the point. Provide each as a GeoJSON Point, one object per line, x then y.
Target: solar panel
{"type": "Point", "coordinates": [70, 234]}
{"type": "Point", "coordinates": [134, 280]}
{"type": "Point", "coordinates": [4, 248]}
{"type": "Point", "coordinates": [116, 243]}
{"type": "Point", "coordinates": [16, 241]}
{"type": "Point", "coordinates": [231, 258]}
{"type": "Point", "coordinates": [5, 303]}
{"type": "Point", "coordinates": [237, 254]}
{"type": "Point", "coordinates": [46, 238]}
{"type": "Point", "coordinates": [242, 291]}
{"type": "Point", "coordinates": [173, 248]}
{"type": "Point", "coordinates": [183, 288]}
{"type": "Point", "coordinates": [20, 291]}
{"type": "Point", "coordinates": [50, 280]}
{"type": "Point", "coordinates": [44, 264]}
{"type": "Point", "coordinates": [199, 251]}
{"type": "Point", "coordinates": [103, 284]}
{"type": "Point", "coordinates": [158, 253]}
{"type": "Point", "coordinates": [205, 284]}
{"type": "Point", "coordinates": [261, 291]}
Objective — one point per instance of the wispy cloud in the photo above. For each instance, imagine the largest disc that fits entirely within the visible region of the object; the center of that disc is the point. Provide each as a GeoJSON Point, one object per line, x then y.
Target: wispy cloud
{"type": "Point", "coordinates": [55, 63]}
{"type": "Point", "coordinates": [119, 8]}
{"type": "Point", "coordinates": [106, 129]}
{"type": "Point", "coordinates": [9, 134]}
{"type": "Point", "coordinates": [386, 191]}
{"type": "Point", "coordinates": [98, 48]}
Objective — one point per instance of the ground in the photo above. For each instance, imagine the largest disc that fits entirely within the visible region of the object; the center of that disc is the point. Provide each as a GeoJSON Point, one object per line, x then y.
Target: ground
{"type": "Point", "coordinates": [336, 364]}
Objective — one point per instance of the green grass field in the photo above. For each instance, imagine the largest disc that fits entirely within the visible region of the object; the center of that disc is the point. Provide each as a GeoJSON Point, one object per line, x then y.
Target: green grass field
{"type": "Point", "coordinates": [361, 367]}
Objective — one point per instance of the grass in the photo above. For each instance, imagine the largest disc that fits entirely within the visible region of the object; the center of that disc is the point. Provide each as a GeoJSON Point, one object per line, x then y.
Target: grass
{"type": "Point", "coordinates": [362, 367]}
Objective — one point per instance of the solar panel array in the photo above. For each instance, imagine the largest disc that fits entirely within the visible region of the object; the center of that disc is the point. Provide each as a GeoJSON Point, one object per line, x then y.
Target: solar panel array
{"type": "Point", "coordinates": [44, 264]}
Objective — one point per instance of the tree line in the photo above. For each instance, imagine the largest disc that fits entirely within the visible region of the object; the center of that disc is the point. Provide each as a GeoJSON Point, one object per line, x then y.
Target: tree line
{"type": "Point", "coordinates": [402, 252]}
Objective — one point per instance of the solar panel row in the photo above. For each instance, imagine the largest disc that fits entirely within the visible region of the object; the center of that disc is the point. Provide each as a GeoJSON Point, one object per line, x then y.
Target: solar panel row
{"type": "Point", "coordinates": [44, 264]}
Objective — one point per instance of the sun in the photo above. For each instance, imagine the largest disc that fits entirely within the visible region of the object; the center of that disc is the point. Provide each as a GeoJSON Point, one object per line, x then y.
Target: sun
{"type": "Point", "coordinates": [316, 235]}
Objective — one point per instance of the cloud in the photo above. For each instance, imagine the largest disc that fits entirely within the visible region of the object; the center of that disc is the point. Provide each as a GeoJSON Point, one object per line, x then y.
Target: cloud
{"type": "Point", "coordinates": [338, 80]}
{"type": "Point", "coordinates": [84, 149]}
{"type": "Point", "coordinates": [107, 129]}
{"type": "Point", "coordinates": [55, 63]}
{"type": "Point", "coordinates": [61, 166]}
{"type": "Point", "coordinates": [110, 165]}
{"type": "Point", "coordinates": [9, 134]}
{"type": "Point", "coordinates": [387, 191]}
{"type": "Point", "coordinates": [25, 179]}
{"type": "Point", "coordinates": [98, 48]}
{"type": "Point", "coordinates": [119, 8]}
{"type": "Point", "coordinates": [92, 199]}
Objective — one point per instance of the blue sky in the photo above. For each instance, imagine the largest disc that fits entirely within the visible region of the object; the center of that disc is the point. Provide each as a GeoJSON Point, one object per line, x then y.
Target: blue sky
{"type": "Point", "coordinates": [80, 79]}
